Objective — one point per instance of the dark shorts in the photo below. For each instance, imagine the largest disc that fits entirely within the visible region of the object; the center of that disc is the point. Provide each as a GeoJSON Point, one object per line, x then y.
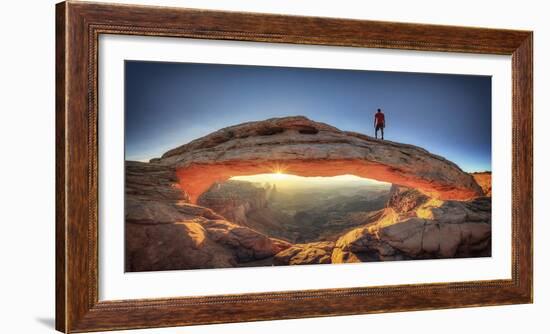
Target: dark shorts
{"type": "Point", "coordinates": [379, 127]}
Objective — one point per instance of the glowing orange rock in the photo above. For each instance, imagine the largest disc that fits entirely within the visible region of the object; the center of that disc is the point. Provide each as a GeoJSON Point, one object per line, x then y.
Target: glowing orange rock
{"type": "Point", "coordinates": [299, 146]}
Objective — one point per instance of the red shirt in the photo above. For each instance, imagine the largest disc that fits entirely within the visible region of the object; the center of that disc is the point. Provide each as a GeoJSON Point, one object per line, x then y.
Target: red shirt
{"type": "Point", "coordinates": [379, 118]}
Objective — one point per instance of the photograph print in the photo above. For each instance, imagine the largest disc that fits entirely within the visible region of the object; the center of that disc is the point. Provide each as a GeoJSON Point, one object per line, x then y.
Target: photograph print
{"type": "Point", "coordinates": [246, 166]}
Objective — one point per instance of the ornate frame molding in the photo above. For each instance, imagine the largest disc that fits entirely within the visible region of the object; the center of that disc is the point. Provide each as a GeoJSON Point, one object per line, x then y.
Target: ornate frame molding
{"type": "Point", "coordinates": [78, 27]}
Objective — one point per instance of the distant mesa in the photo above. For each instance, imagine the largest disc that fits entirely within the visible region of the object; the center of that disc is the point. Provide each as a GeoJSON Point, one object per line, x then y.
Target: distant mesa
{"type": "Point", "coordinates": [300, 146]}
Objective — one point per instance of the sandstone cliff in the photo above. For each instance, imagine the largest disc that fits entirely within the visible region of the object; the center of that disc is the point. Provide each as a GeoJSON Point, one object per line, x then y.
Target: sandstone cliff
{"type": "Point", "coordinates": [164, 232]}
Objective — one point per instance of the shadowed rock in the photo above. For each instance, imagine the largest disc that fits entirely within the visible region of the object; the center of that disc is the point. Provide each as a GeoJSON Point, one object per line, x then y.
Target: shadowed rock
{"type": "Point", "coordinates": [195, 244]}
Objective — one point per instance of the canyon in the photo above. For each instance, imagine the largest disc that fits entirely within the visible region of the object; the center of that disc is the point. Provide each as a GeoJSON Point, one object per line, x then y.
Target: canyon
{"type": "Point", "coordinates": [183, 210]}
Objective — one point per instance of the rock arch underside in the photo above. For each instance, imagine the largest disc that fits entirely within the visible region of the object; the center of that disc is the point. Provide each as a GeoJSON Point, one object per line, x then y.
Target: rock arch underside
{"type": "Point", "coordinates": [435, 210]}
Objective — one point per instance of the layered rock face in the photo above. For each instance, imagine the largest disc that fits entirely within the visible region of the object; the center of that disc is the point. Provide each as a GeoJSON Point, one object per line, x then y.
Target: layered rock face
{"type": "Point", "coordinates": [299, 146]}
{"type": "Point", "coordinates": [234, 200]}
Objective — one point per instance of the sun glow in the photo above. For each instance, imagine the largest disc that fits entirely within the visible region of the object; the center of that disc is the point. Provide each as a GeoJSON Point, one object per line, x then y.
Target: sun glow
{"type": "Point", "coordinates": [279, 175]}
{"type": "Point", "coordinates": [282, 179]}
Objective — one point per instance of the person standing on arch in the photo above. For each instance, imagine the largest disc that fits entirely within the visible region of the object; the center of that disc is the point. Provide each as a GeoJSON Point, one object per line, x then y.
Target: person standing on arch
{"type": "Point", "coordinates": [379, 123]}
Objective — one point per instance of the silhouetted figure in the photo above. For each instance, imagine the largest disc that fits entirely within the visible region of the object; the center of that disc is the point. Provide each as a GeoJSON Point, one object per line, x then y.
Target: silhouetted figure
{"type": "Point", "coordinates": [379, 123]}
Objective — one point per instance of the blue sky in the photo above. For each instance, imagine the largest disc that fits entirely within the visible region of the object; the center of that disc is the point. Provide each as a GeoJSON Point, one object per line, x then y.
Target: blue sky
{"type": "Point", "coordinates": [169, 104]}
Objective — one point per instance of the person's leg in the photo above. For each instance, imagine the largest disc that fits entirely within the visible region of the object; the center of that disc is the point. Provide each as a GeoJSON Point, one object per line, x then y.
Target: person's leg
{"type": "Point", "coordinates": [382, 132]}
{"type": "Point", "coordinates": [376, 132]}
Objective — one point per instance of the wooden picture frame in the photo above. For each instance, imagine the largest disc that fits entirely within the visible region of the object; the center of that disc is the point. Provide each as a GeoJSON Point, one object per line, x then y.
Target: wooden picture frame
{"type": "Point", "coordinates": [78, 26]}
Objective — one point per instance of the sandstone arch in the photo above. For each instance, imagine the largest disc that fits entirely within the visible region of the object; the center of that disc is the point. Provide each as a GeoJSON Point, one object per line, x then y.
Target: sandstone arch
{"type": "Point", "coordinates": [299, 146]}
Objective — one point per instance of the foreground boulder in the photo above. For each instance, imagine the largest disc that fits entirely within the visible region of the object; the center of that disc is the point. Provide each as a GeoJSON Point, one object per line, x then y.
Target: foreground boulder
{"type": "Point", "coordinates": [299, 146]}
{"type": "Point", "coordinates": [183, 245]}
{"type": "Point", "coordinates": [195, 244]}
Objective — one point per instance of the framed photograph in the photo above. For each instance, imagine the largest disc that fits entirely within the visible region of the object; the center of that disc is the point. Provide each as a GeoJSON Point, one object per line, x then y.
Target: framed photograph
{"type": "Point", "coordinates": [223, 166]}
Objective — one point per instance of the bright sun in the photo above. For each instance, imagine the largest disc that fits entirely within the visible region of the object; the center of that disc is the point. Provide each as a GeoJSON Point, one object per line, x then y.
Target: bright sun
{"type": "Point", "coordinates": [279, 176]}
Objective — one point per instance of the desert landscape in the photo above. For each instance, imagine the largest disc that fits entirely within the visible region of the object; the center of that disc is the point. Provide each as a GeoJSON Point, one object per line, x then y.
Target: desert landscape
{"type": "Point", "coordinates": [292, 191]}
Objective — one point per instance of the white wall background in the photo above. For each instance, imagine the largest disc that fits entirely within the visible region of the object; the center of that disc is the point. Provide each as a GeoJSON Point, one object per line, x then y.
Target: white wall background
{"type": "Point", "coordinates": [27, 165]}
